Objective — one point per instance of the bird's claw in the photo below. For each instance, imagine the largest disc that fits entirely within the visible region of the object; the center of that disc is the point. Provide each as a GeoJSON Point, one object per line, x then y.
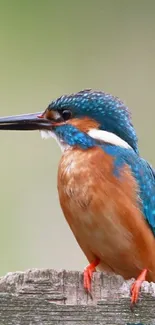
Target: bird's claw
{"type": "Point", "coordinates": [88, 273]}
{"type": "Point", "coordinates": [135, 288]}
{"type": "Point", "coordinates": [87, 276]}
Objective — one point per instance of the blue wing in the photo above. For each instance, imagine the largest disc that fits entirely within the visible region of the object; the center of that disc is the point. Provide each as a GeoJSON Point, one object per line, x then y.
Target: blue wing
{"type": "Point", "coordinates": [144, 175]}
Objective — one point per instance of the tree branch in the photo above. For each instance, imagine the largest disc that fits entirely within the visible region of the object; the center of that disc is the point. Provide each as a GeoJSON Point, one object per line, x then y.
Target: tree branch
{"type": "Point", "coordinates": [49, 297]}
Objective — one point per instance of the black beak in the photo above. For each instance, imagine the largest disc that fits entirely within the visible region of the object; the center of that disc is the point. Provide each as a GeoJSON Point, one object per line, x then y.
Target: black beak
{"type": "Point", "coordinates": [34, 121]}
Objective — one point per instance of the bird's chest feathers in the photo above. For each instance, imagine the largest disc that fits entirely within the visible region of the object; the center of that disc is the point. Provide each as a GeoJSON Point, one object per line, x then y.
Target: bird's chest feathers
{"type": "Point", "coordinates": [74, 179]}
{"type": "Point", "coordinates": [90, 194]}
{"type": "Point", "coordinates": [78, 176]}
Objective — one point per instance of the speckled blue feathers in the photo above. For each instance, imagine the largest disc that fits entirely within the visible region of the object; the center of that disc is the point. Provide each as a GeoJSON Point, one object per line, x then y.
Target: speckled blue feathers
{"type": "Point", "coordinates": [109, 111]}
{"type": "Point", "coordinates": [145, 177]}
{"type": "Point", "coordinates": [74, 137]}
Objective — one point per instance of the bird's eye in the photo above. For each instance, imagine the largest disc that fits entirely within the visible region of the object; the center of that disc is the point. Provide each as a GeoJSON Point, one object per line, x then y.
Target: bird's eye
{"type": "Point", "coordinates": [66, 114]}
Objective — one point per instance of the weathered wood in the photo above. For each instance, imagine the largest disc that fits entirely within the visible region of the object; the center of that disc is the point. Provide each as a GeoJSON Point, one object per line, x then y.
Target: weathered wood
{"type": "Point", "coordinates": [48, 297]}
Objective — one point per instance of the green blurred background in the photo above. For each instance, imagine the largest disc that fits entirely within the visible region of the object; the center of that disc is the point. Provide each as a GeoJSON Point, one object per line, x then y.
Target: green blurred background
{"type": "Point", "coordinates": [48, 48]}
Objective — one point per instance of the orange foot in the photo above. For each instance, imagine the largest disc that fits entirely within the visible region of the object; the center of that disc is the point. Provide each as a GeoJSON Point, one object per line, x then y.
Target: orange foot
{"type": "Point", "coordinates": [135, 289]}
{"type": "Point", "coordinates": [88, 272]}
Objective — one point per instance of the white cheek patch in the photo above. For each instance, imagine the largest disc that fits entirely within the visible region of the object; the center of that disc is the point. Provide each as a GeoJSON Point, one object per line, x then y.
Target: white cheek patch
{"type": "Point", "coordinates": [108, 137]}
{"type": "Point", "coordinates": [49, 134]}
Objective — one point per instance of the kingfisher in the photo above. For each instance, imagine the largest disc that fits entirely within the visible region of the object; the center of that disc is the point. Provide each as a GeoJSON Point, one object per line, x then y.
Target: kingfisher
{"type": "Point", "coordinates": [106, 189]}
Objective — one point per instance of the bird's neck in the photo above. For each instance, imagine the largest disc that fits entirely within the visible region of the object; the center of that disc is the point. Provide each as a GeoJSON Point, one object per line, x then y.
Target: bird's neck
{"type": "Point", "coordinates": [69, 136]}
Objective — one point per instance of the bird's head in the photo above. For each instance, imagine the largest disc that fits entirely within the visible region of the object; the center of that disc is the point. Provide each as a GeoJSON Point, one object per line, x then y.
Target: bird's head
{"type": "Point", "coordinates": [80, 119]}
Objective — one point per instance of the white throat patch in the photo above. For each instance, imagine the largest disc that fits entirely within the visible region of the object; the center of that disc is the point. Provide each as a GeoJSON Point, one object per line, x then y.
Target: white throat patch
{"type": "Point", "coordinates": [49, 134]}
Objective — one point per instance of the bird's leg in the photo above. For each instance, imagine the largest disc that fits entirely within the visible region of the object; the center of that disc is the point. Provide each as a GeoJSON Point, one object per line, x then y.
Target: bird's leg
{"type": "Point", "coordinates": [135, 289]}
{"type": "Point", "coordinates": [88, 272]}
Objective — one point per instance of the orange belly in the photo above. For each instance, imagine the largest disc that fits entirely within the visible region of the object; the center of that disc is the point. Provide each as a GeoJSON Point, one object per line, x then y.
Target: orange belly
{"type": "Point", "coordinates": [103, 213]}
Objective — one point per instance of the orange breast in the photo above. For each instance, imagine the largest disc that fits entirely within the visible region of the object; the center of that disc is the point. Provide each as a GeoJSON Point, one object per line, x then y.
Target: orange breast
{"type": "Point", "coordinates": [103, 212]}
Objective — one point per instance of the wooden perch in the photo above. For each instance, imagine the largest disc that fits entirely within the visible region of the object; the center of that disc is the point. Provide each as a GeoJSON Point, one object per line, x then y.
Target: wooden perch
{"type": "Point", "coordinates": [45, 297]}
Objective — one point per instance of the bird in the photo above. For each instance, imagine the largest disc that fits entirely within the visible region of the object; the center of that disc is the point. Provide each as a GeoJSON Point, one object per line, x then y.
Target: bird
{"type": "Point", "coordinates": [106, 189]}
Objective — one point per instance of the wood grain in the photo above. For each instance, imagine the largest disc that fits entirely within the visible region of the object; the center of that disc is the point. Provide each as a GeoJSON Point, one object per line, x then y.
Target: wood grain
{"type": "Point", "coordinates": [50, 297]}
